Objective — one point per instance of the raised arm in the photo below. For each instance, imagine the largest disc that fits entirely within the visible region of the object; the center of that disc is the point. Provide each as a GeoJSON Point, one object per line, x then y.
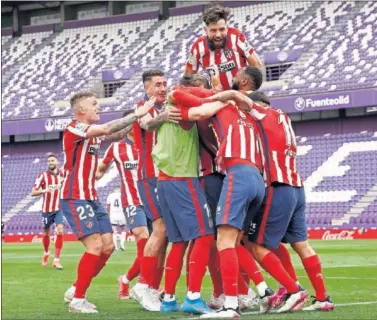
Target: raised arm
{"type": "Point", "coordinates": [119, 124]}
{"type": "Point", "coordinates": [242, 101]}
{"type": "Point", "coordinates": [207, 110]}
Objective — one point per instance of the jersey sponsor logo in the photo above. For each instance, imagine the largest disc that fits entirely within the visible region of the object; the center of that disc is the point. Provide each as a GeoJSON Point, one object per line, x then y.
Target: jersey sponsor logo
{"type": "Point", "coordinates": [54, 187]}
{"type": "Point", "coordinates": [226, 66]}
{"type": "Point", "coordinates": [245, 124]}
{"type": "Point", "coordinates": [94, 149]}
{"type": "Point", "coordinates": [129, 165]}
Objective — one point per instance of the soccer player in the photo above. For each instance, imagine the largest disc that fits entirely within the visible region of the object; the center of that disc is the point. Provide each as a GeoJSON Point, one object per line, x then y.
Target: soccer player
{"type": "Point", "coordinates": [185, 211]}
{"type": "Point", "coordinates": [152, 266]}
{"type": "Point", "coordinates": [284, 220]}
{"type": "Point", "coordinates": [48, 184]}
{"type": "Point", "coordinates": [223, 50]}
{"type": "Point", "coordinates": [79, 201]}
{"type": "Point", "coordinates": [117, 218]}
{"type": "Point", "coordinates": [240, 198]}
{"type": "Point", "coordinates": [124, 154]}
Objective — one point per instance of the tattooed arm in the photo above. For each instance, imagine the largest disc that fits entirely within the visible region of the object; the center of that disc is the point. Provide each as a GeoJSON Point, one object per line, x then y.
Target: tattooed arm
{"type": "Point", "coordinates": [151, 124]}
{"type": "Point", "coordinates": [119, 124]}
{"type": "Point", "coordinates": [121, 134]}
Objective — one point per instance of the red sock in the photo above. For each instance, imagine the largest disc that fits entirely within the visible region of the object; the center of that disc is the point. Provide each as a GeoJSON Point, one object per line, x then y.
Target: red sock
{"type": "Point", "coordinates": [101, 263]}
{"type": "Point", "coordinates": [174, 263]}
{"type": "Point", "coordinates": [134, 270]}
{"type": "Point", "coordinates": [283, 254]}
{"type": "Point", "coordinates": [46, 243]}
{"type": "Point", "coordinates": [189, 251]}
{"type": "Point", "coordinates": [313, 268]}
{"type": "Point", "coordinates": [243, 287]}
{"type": "Point", "coordinates": [85, 273]}
{"type": "Point", "coordinates": [247, 265]}
{"type": "Point", "coordinates": [199, 259]}
{"type": "Point", "coordinates": [58, 245]}
{"type": "Point", "coordinates": [229, 271]}
{"type": "Point", "coordinates": [272, 264]}
{"type": "Point", "coordinates": [147, 270]}
{"type": "Point", "coordinates": [215, 272]}
{"type": "Point", "coordinates": [158, 277]}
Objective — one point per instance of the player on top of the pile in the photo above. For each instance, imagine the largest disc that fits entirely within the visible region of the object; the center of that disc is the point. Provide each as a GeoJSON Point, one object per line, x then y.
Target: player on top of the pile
{"type": "Point", "coordinates": [283, 215]}
{"type": "Point", "coordinates": [48, 184]}
{"type": "Point", "coordinates": [222, 50]}
{"type": "Point", "coordinates": [79, 201]}
{"type": "Point", "coordinates": [152, 265]}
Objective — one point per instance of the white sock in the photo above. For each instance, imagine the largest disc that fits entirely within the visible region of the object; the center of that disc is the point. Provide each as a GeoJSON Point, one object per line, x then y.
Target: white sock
{"type": "Point", "coordinates": [47, 253]}
{"type": "Point", "coordinates": [56, 259]}
{"type": "Point", "coordinates": [193, 295]}
{"type": "Point", "coordinates": [125, 280]}
{"type": "Point", "coordinates": [298, 283]}
{"type": "Point", "coordinates": [122, 239]}
{"type": "Point", "coordinates": [261, 288]}
{"type": "Point", "coordinates": [141, 286]}
{"type": "Point", "coordinates": [231, 302]}
{"type": "Point", "coordinates": [74, 300]}
{"type": "Point", "coordinates": [169, 297]}
{"type": "Point", "coordinates": [115, 241]}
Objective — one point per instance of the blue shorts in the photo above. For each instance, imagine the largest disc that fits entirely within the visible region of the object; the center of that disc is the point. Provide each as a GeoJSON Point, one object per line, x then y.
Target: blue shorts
{"type": "Point", "coordinates": [148, 194]}
{"type": "Point", "coordinates": [185, 210]}
{"type": "Point", "coordinates": [86, 217]}
{"type": "Point", "coordinates": [241, 196]}
{"type": "Point", "coordinates": [135, 217]}
{"type": "Point", "coordinates": [281, 218]}
{"type": "Point", "coordinates": [49, 218]}
{"type": "Point", "coordinates": [212, 185]}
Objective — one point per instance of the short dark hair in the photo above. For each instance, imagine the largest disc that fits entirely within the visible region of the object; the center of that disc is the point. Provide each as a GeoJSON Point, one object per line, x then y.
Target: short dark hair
{"type": "Point", "coordinates": [194, 81]}
{"type": "Point", "coordinates": [147, 75]}
{"type": "Point", "coordinates": [52, 156]}
{"type": "Point", "coordinates": [127, 112]}
{"type": "Point", "coordinates": [260, 96]}
{"type": "Point", "coordinates": [255, 75]}
{"type": "Point", "coordinates": [79, 95]}
{"type": "Point", "coordinates": [215, 13]}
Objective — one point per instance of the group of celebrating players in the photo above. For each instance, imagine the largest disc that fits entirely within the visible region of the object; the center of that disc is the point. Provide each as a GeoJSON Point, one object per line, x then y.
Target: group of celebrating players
{"type": "Point", "coordinates": [207, 166]}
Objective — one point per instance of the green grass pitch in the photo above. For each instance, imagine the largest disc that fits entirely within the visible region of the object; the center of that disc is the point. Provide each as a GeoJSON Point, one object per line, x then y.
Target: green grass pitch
{"type": "Point", "coordinates": [32, 292]}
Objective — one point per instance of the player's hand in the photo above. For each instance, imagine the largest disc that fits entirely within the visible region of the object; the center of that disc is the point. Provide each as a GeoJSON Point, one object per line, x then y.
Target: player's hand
{"type": "Point", "coordinates": [99, 175]}
{"type": "Point", "coordinates": [144, 109]}
{"type": "Point", "coordinates": [174, 115]}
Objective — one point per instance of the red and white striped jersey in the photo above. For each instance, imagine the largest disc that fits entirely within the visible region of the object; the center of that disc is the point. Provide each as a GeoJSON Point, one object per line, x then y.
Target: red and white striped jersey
{"type": "Point", "coordinates": [124, 154]}
{"type": "Point", "coordinates": [80, 162]}
{"type": "Point", "coordinates": [145, 142]}
{"type": "Point", "coordinates": [279, 145]}
{"type": "Point", "coordinates": [51, 182]}
{"type": "Point", "coordinates": [237, 134]}
{"type": "Point", "coordinates": [228, 59]}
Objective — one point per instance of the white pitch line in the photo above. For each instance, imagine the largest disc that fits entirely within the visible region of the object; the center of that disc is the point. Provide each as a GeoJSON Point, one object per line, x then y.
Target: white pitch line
{"type": "Point", "coordinates": [342, 278]}
{"type": "Point", "coordinates": [336, 306]}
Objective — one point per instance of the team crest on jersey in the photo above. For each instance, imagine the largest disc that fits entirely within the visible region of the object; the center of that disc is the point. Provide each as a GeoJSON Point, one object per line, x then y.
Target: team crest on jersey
{"type": "Point", "coordinates": [129, 165]}
{"type": "Point", "coordinates": [228, 53]}
{"type": "Point", "coordinates": [89, 223]}
{"type": "Point", "coordinates": [226, 66]}
{"type": "Point", "coordinates": [94, 149]}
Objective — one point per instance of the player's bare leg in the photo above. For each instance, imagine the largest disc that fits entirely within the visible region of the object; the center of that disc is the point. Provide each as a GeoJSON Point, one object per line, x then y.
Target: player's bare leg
{"type": "Point", "coordinates": [58, 246]}
{"type": "Point", "coordinates": [46, 246]}
{"type": "Point", "coordinates": [313, 268]}
{"type": "Point", "coordinates": [141, 292]}
{"type": "Point", "coordinates": [141, 235]}
{"type": "Point", "coordinates": [295, 297]}
{"type": "Point", "coordinates": [160, 267]}
{"type": "Point", "coordinates": [122, 237]}
{"type": "Point", "coordinates": [115, 236]}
